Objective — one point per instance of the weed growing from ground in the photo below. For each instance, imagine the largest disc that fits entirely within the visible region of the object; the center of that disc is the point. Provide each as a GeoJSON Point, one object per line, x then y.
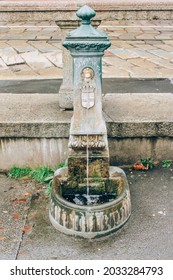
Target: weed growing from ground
{"type": "Point", "coordinates": [17, 172]}
{"type": "Point", "coordinates": [42, 174]}
{"type": "Point", "coordinates": [148, 162]}
{"type": "Point", "coordinates": [166, 163]}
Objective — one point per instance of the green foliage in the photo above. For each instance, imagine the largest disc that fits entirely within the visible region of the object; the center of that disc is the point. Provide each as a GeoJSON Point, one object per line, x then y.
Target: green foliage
{"type": "Point", "coordinates": [42, 174]}
{"type": "Point", "coordinates": [63, 164]}
{"type": "Point", "coordinates": [49, 187]}
{"type": "Point", "coordinates": [166, 163]}
{"type": "Point", "coordinates": [17, 172]}
{"type": "Point", "coordinates": [147, 162]}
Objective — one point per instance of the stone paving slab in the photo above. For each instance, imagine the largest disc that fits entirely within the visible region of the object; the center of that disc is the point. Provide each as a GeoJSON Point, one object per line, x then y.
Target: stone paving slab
{"type": "Point", "coordinates": [139, 49]}
{"type": "Point", "coordinates": [36, 60]}
{"type": "Point", "coordinates": [10, 56]}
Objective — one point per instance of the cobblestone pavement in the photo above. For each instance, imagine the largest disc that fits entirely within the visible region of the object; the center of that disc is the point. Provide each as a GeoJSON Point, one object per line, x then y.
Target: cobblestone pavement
{"type": "Point", "coordinates": [140, 49]}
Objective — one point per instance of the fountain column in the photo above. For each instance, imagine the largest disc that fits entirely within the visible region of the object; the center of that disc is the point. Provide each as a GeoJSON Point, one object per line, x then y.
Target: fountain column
{"type": "Point", "coordinates": [89, 197]}
{"type": "Point", "coordinates": [88, 129]}
{"type": "Point", "coordinates": [66, 88]}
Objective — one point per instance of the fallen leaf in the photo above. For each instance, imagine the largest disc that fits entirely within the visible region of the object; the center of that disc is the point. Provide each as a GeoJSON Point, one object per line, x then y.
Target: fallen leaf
{"type": "Point", "coordinates": [22, 199]}
{"type": "Point", "coordinates": [26, 208]}
{"type": "Point", "coordinates": [27, 194]}
{"type": "Point", "coordinates": [32, 215]}
{"type": "Point", "coordinates": [1, 228]}
{"type": "Point", "coordinates": [27, 229]}
{"type": "Point", "coordinates": [15, 216]}
{"type": "Point", "coordinates": [2, 237]}
{"type": "Point", "coordinates": [138, 166]}
{"type": "Point", "coordinates": [15, 201]}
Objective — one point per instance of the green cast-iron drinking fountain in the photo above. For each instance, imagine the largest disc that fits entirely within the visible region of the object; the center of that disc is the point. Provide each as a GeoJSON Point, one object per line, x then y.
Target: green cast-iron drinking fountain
{"type": "Point", "coordinates": [89, 198]}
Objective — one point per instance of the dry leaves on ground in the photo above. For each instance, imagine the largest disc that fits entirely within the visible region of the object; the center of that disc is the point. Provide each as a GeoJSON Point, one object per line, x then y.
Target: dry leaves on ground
{"type": "Point", "coordinates": [27, 229]}
{"type": "Point", "coordinates": [15, 216]}
{"type": "Point", "coordinates": [32, 215]}
{"type": "Point", "coordinates": [15, 201]}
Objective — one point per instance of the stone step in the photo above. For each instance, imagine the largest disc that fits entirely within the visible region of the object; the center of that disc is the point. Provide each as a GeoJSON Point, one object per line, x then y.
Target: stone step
{"type": "Point", "coordinates": [34, 130]}
{"type": "Point", "coordinates": [106, 10]}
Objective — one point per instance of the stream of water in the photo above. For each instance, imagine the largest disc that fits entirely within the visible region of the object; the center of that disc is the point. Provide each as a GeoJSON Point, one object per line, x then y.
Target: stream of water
{"type": "Point", "coordinates": [87, 154]}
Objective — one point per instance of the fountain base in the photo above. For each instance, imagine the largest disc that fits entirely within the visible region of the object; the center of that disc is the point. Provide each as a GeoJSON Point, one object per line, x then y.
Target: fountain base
{"type": "Point", "coordinates": [91, 220]}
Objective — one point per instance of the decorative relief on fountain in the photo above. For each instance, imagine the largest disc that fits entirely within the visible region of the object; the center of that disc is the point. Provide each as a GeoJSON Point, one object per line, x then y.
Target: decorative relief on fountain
{"type": "Point", "coordinates": [89, 62]}
{"type": "Point", "coordinates": [87, 88]}
{"type": "Point", "coordinates": [94, 222]}
{"type": "Point", "coordinates": [84, 141]}
{"type": "Point", "coordinates": [86, 46]}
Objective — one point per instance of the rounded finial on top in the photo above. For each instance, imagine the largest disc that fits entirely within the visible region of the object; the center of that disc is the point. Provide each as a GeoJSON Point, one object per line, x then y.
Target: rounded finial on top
{"type": "Point", "coordinates": [86, 13]}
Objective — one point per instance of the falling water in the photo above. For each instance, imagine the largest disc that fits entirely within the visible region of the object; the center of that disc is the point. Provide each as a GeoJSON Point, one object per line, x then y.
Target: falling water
{"type": "Point", "coordinates": [87, 154]}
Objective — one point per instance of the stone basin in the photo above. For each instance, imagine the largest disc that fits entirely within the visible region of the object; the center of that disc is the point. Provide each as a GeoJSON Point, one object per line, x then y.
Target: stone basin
{"type": "Point", "coordinates": [89, 221]}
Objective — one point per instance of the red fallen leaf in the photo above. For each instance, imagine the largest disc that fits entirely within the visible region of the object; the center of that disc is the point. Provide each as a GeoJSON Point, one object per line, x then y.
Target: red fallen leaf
{"type": "Point", "coordinates": [138, 166]}
{"type": "Point", "coordinates": [27, 229]}
{"type": "Point", "coordinates": [15, 216]}
{"type": "Point", "coordinates": [1, 228]}
{"type": "Point", "coordinates": [2, 237]}
{"type": "Point", "coordinates": [16, 201]}
{"type": "Point", "coordinates": [22, 199]}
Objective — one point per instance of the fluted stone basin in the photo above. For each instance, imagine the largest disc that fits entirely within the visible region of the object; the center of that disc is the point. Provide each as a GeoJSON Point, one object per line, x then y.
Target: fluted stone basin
{"type": "Point", "coordinates": [90, 221]}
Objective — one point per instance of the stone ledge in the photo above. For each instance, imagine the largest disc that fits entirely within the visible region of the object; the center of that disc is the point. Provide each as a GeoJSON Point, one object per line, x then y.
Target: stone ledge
{"type": "Point", "coordinates": [61, 130]}
{"type": "Point", "coordinates": [33, 130]}
{"type": "Point", "coordinates": [64, 5]}
{"type": "Point", "coordinates": [127, 116]}
{"type": "Point", "coordinates": [106, 10]}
